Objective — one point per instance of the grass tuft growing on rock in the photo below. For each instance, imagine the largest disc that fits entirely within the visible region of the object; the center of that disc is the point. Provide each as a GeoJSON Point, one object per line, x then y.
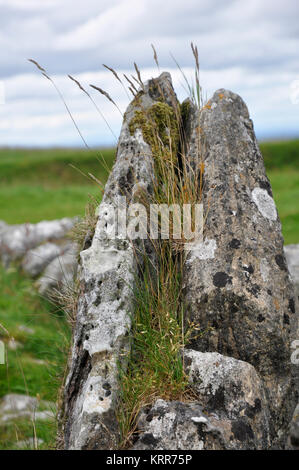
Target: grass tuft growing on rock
{"type": "Point", "coordinates": [155, 366]}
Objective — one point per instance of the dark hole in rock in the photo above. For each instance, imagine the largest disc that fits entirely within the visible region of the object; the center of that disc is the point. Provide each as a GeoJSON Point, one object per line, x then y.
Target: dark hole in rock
{"type": "Point", "coordinates": [106, 386]}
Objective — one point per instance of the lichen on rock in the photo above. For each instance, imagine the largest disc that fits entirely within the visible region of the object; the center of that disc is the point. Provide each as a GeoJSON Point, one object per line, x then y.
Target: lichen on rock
{"type": "Point", "coordinates": [240, 297]}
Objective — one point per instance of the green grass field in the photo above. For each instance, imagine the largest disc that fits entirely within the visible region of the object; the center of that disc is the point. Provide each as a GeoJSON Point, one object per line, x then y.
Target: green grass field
{"type": "Point", "coordinates": [37, 365]}
{"type": "Point", "coordinates": [282, 165]}
{"type": "Point", "coordinates": [40, 184]}
{"type": "Point", "coordinates": [37, 185]}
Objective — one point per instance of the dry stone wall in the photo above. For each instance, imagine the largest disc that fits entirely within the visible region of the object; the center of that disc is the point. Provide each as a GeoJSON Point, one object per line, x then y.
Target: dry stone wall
{"type": "Point", "coordinates": [44, 251]}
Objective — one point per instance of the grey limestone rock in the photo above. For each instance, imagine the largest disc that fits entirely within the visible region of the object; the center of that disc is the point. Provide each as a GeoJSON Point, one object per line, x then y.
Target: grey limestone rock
{"type": "Point", "coordinates": [231, 391]}
{"type": "Point", "coordinates": [292, 257]}
{"type": "Point", "coordinates": [236, 281]}
{"type": "Point", "coordinates": [108, 271]}
{"type": "Point", "coordinates": [14, 406]}
{"type": "Point", "coordinates": [230, 412]}
{"type": "Point", "coordinates": [177, 426]}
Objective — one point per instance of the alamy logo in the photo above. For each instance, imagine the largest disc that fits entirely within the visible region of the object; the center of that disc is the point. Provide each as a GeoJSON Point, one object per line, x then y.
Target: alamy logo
{"type": "Point", "coordinates": [2, 352]}
{"type": "Point", "coordinates": [135, 221]}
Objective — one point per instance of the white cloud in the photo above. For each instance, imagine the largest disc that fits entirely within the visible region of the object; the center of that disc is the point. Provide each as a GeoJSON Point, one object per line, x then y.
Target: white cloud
{"type": "Point", "coordinates": [34, 113]}
{"type": "Point", "coordinates": [250, 47]}
{"type": "Point", "coordinates": [107, 27]}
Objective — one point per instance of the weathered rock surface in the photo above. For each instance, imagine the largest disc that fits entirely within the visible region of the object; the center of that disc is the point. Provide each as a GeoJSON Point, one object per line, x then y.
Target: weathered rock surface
{"type": "Point", "coordinates": [236, 282]}
{"type": "Point", "coordinates": [232, 392]}
{"type": "Point", "coordinates": [292, 257]}
{"type": "Point", "coordinates": [231, 411]}
{"type": "Point", "coordinates": [178, 426]}
{"type": "Point", "coordinates": [107, 274]}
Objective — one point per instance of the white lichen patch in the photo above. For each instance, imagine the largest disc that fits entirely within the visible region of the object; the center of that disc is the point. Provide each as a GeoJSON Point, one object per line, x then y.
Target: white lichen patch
{"type": "Point", "coordinates": [97, 260]}
{"type": "Point", "coordinates": [94, 402]}
{"type": "Point", "coordinates": [112, 324]}
{"type": "Point", "coordinates": [201, 250]}
{"type": "Point", "coordinates": [139, 137]}
{"type": "Point", "coordinates": [264, 203]}
{"type": "Point", "coordinates": [199, 419]}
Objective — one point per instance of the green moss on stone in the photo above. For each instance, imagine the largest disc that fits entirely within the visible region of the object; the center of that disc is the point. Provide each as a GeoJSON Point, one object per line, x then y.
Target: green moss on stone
{"type": "Point", "coordinates": [185, 111]}
{"type": "Point", "coordinates": [159, 128]}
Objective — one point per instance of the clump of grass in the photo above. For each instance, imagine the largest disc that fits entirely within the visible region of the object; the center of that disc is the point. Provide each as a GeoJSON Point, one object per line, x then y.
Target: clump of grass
{"type": "Point", "coordinates": [83, 230]}
{"type": "Point", "coordinates": [155, 367]}
{"type": "Point", "coordinates": [159, 334]}
{"type": "Point", "coordinates": [67, 300]}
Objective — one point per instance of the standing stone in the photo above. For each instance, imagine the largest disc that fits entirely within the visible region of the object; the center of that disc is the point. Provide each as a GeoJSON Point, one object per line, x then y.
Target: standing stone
{"type": "Point", "coordinates": [292, 257]}
{"type": "Point", "coordinates": [107, 275]}
{"type": "Point", "coordinates": [236, 282]}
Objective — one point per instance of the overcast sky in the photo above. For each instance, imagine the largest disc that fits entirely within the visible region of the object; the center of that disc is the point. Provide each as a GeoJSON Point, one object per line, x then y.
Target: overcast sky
{"type": "Point", "coordinates": [250, 47]}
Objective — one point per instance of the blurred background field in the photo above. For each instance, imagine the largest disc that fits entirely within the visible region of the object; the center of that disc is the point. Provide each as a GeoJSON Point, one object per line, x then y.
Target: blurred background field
{"type": "Point", "coordinates": [39, 185]}
{"type": "Point", "coordinates": [49, 184]}
{"type": "Point", "coordinates": [43, 184]}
